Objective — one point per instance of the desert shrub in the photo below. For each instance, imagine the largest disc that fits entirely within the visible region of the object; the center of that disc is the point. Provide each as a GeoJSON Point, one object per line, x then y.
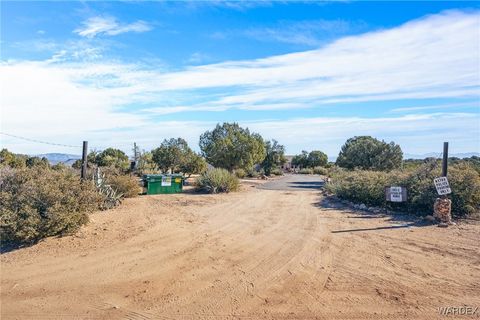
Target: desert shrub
{"type": "Point", "coordinates": [367, 187]}
{"type": "Point", "coordinates": [40, 202]}
{"type": "Point", "coordinates": [306, 171]}
{"type": "Point", "coordinates": [277, 172]}
{"type": "Point", "coordinates": [465, 183]}
{"type": "Point", "coordinates": [359, 186]}
{"type": "Point", "coordinates": [217, 180]}
{"type": "Point", "coordinates": [252, 173]}
{"type": "Point", "coordinates": [126, 185]}
{"type": "Point", "coordinates": [240, 173]}
{"type": "Point", "coordinates": [321, 171]}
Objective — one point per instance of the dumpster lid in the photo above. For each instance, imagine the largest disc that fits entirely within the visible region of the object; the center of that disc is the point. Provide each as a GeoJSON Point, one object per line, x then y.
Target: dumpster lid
{"type": "Point", "coordinates": [160, 176]}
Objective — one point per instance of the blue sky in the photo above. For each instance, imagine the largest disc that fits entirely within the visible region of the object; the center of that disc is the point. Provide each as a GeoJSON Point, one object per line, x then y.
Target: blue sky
{"type": "Point", "coordinates": [309, 74]}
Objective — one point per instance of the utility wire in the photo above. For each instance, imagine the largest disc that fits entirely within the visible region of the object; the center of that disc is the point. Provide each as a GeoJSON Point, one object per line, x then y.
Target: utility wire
{"type": "Point", "coordinates": [39, 141]}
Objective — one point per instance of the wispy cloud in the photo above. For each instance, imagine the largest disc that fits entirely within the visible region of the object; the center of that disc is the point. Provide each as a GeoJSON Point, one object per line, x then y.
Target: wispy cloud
{"type": "Point", "coordinates": [99, 25]}
{"type": "Point", "coordinates": [310, 32]}
{"type": "Point", "coordinates": [472, 104]}
{"type": "Point", "coordinates": [433, 57]}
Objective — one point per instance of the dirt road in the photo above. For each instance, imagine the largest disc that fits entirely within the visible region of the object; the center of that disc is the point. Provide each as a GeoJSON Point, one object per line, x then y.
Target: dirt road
{"type": "Point", "coordinates": [256, 254]}
{"type": "Point", "coordinates": [294, 182]}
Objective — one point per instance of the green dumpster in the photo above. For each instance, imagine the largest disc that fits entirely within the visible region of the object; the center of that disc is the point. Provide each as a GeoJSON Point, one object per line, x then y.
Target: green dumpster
{"type": "Point", "coordinates": [162, 183]}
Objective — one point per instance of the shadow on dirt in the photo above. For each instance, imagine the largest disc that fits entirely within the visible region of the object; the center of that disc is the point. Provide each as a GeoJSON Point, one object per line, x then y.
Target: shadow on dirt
{"type": "Point", "coordinates": [306, 184]}
{"type": "Point", "coordinates": [398, 220]}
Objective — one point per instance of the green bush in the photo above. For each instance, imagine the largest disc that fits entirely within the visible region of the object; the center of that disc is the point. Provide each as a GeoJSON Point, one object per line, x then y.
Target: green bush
{"type": "Point", "coordinates": [368, 187]}
{"type": "Point", "coordinates": [40, 202]}
{"type": "Point", "coordinates": [277, 172]}
{"type": "Point", "coordinates": [126, 185]}
{"type": "Point", "coordinates": [217, 180]}
{"type": "Point", "coordinates": [306, 171]}
{"type": "Point", "coordinates": [240, 173]}
{"type": "Point", "coordinates": [359, 186]}
{"type": "Point", "coordinates": [321, 171]}
{"type": "Point", "coordinates": [252, 173]}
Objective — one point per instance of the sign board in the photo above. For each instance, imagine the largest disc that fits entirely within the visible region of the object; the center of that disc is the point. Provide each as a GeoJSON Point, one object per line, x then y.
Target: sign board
{"type": "Point", "coordinates": [166, 181]}
{"type": "Point", "coordinates": [396, 194]}
{"type": "Point", "coordinates": [442, 185]}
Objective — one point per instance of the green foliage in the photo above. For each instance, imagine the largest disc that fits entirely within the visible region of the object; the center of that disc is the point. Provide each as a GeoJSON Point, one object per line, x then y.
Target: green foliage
{"type": "Point", "coordinates": [194, 164]}
{"type": "Point", "coordinates": [171, 154]}
{"type": "Point", "coordinates": [12, 160]}
{"type": "Point", "coordinates": [37, 162]}
{"type": "Point", "coordinates": [310, 160]}
{"type": "Point", "coordinates": [360, 186]}
{"type": "Point", "coordinates": [277, 172]}
{"type": "Point", "coordinates": [231, 147]}
{"type": "Point", "coordinates": [217, 180]}
{"type": "Point", "coordinates": [39, 202]}
{"type": "Point", "coordinates": [125, 185]}
{"type": "Point", "coordinates": [145, 164]}
{"type": "Point", "coordinates": [317, 158]}
{"type": "Point", "coordinates": [240, 173]}
{"type": "Point", "coordinates": [306, 171]}
{"type": "Point", "coordinates": [321, 171]}
{"type": "Point", "coordinates": [252, 173]}
{"type": "Point", "coordinates": [367, 187]}
{"type": "Point", "coordinates": [368, 153]}
{"type": "Point", "coordinates": [300, 160]}
{"type": "Point", "coordinates": [175, 155]}
{"type": "Point", "coordinates": [275, 156]}
{"type": "Point", "coordinates": [110, 157]}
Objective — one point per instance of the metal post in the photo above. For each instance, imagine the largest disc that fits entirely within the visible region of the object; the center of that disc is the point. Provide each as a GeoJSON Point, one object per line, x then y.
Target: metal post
{"type": "Point", "coordinates": [445, 159]}
{"type": "Point", "coordinates": [83, 173]}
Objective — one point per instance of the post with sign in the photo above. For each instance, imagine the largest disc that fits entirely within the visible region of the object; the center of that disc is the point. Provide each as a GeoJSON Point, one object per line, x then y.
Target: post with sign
{"type": "Point", "coordinates": [443, 206]}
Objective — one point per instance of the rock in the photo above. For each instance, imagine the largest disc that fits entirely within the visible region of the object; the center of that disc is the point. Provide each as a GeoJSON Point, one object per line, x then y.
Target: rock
{"type": "Point", "coordinates": [362, 207]}
{"type": "Point", "coordinates": [442, 210]}
{"type": "Point", "coordinates": [443, 225]}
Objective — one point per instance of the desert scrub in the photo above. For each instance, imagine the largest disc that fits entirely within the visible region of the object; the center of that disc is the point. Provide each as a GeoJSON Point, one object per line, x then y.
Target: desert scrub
{"type": "Point", "coordinates": [216, 181]}
{"type": "Point", "coordinates": [306, 171]}
{"type": "Point", "coordinates": [277, 172]}
{"type": "Point", "coordinates": [359, 186]}
{"type": "Point", "coordinates": [125, 185]}
{"type": "Point", "coordinates": [368, 187]}
{"type": "Point", "coordinates": [240, 173]}
{"type": "Point", "coordinates": [321, 171]}
{"type": "Point", "coordinates": [40, 202]}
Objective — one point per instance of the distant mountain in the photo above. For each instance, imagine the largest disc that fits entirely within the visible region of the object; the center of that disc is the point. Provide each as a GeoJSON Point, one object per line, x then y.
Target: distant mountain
{"type": "Point", "coordinates": [438, 155]}
{"type": "Point", "coordinates": [65, 158]}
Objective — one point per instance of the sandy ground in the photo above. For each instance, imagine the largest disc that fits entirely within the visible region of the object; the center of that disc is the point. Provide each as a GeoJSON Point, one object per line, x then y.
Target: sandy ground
{"type": "Point", "coordinates": [256, 254]}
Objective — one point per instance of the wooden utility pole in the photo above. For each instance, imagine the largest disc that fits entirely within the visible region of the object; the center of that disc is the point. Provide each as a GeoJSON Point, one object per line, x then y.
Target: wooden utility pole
{"type": "Point", "coordinates": [445, 159]}
{"type": "Point", "coordinates": [135, 153]}
{"type": "Point", "coordinates": [83, 172]}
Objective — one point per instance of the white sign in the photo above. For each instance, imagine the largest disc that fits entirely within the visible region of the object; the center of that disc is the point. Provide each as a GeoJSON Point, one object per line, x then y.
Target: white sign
{"type": "Point", "coordinates": [395, 189]}
{"type": "Point", "coordinates": [166, 181]}
{"type": "Point", "coordinates": [396, 194]}
{"type": "Point", "coordinates": [442, 185]}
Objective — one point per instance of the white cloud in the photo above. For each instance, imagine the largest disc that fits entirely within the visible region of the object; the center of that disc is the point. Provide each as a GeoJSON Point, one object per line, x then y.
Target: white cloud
{"type": "Point", "coordinates": [434, 57]}
{"type": "Point", "coordinates": [437, 54]}
{"type": "Point", "coordinates": [474, 104]}
{"type": "Point", "coordinates": [109, 26]}
{"type": "Point", "coordinates": [309, 32]}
